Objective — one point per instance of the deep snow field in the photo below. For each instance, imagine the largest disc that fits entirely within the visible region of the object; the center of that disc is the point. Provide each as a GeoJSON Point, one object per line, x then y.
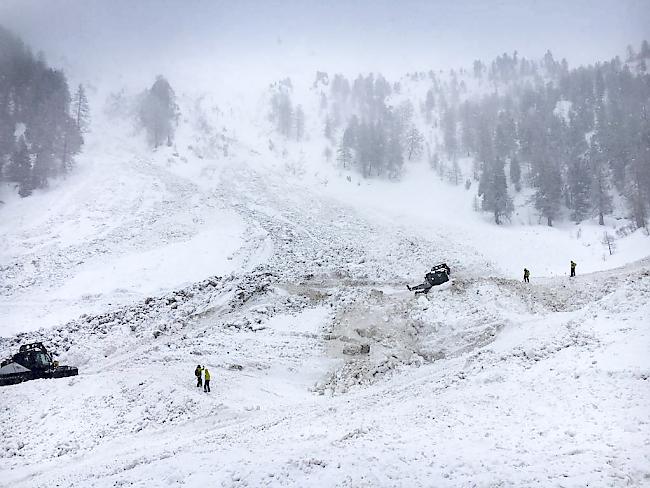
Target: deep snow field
{"type": "Point", "coordinates": [141, 265]}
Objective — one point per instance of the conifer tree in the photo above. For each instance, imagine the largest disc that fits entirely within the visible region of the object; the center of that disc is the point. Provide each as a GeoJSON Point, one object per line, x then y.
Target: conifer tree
{"type": "Point", "coordinates": [414, 144]}
{"type": "Point", "coordinates": [600, 197]}
{"type": "Point", "coordinates": [80, 109]}
{"type": "Point", "coordinates": [344, 155]}
{"type": "Point", "coordinates": [159, 112]}
{"type": "Point", "coordinates": [549, 190]}
{"type": "Point", "coordinates": [395, 158]}
{"type": "Point", "coordinates": [449, 124]}
{"type": "Point", "coordinates": [579, 188]}
{"type": "Point", "coordinates": [494, 190]}
{"type": "Point", "coordinates": [429, 105]}
{"type": "Point", "coordinates": [20, 168]}
{"type": "Point", "coordinates": [515, 173]}
{"type": "Point", "coordinates": [300, 123]}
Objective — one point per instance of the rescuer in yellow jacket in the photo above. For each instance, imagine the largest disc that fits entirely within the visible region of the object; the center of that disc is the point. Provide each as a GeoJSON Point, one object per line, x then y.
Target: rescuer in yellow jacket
{"type": "Point", "coordinates": [206, 380]}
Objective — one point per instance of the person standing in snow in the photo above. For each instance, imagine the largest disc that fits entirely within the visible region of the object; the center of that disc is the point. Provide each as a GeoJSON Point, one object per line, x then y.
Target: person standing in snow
{"type": "Point", "coordinates": [206, 380]}
{"type": "Point", "coordinates": [526, 276]}
{"type": "Point", "coordinates": [197, 373]}
{"type": "Point", "coordinates": [573, 269]}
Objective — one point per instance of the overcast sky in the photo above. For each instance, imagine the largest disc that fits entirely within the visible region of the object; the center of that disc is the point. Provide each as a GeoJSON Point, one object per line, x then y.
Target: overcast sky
{"type": "Point", "coordinates": [284, 37]}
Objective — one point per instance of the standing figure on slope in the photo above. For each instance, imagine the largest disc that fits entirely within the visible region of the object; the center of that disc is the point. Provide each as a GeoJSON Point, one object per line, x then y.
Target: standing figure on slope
{"type": "Point", "coordinates": [573, 269]}
{"type": "Point", "coordinates": [197, 373]}
{"type": "Point", "coordinates": [206, 381]}
{"type": "Point", "coordinates": [526, 276]}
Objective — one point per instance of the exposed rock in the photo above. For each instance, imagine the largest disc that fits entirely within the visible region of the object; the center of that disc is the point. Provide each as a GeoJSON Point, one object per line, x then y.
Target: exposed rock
{"type": "Point", "coordinates": [356, 349]}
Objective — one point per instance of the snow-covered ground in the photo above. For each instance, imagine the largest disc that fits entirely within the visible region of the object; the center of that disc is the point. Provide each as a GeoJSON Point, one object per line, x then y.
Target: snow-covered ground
{"type": "Point", "coordinates": [239, 263]}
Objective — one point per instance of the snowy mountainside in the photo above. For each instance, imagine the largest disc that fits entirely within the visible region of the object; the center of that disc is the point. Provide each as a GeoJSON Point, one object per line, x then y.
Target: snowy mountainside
{"type": "Point", "coordinates": [120, 227]}
{"type": "Point", "coordinates": [145, 264]}
{"type": "Point", "coordinates": [485, 382]}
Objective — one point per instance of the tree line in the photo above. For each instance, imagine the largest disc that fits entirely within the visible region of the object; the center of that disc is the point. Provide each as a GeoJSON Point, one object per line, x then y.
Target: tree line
{"type": "Point", "coordinates": [573, 138]}
{"type": "Point", "coordinates": [369, 135]}
{"type": "Point", "coordinates": [41, 123]}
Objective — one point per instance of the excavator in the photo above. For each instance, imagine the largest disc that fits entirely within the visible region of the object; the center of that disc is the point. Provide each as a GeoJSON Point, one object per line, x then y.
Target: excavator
{"type": "Point", "coordinates": [438, 275]}
{"type": "Point", "coordinates": [32, 361]}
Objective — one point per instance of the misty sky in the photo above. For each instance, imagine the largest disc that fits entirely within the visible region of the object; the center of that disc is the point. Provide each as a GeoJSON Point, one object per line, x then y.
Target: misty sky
{"type": "Point", "coordinates": [277, 38]}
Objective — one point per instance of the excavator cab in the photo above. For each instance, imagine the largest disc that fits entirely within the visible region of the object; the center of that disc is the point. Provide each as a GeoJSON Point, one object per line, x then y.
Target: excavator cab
{"type": "Point", "coordinates": [439, 274]}
{"type": "Point", "coordinates": [34, 356]}
{"type": "Point", "coordinates": [441, 267]}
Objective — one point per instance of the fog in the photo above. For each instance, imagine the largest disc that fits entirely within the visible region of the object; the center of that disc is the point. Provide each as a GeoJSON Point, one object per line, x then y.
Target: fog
{"type": "Point", "coordinates": [313, 202]}
{"type": "Point", "coordinates": [200, 40]}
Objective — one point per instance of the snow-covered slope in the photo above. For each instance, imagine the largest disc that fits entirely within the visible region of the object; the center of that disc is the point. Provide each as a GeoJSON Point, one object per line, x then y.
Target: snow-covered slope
{"type": "Point", "coordinates": [266, 274]}
{"type": "Point", "coordinates": [121, 227]}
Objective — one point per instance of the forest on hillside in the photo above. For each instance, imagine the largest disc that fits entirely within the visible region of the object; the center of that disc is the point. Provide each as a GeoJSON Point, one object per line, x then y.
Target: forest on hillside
{"type": "Point", "coordinates": [572, 135]}
{"type": "Point", "coordinates": [41, 123]}
{"type": "Point", "coordinates": [571, 139]}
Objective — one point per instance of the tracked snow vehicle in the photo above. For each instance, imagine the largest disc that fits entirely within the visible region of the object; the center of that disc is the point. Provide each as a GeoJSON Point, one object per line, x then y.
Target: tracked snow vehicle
{"type": "Point", "coordinates": [31, 362]}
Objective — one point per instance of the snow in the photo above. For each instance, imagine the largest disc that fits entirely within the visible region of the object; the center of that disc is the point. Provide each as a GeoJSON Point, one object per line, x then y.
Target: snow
{"type": "Point", "coordinates": [542, 402]}
{"type": "Point", "coordinates": [121, 227]}
{"type": "Point", "coordinates": [435, 210]}
{"type": "Point", "coordinates": [165, 267]}
{"type": "Point", "coordinates": [563, 110]}
{"type": "Point", "coordinates": [141, 265]}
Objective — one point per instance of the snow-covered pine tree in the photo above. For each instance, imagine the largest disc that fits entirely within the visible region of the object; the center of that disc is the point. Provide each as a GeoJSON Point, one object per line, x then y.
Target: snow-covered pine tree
{"type": "Point", "coordinates": [515, 173]}
{"type": "Point", "coordinates": [20, 168]}
{"type": "Point", "coordinates": [455, 174]}
{"type": "Point", "coordinates": [494, 190]}
{"type": "Point", "coordinates": [429, 105]}
{"type": "Point", "coordinates": [579, 185]}
{"type": "Point", "coordinates": [363, 149]}
{"type": "Point", "coordinates": [449, 135]}
{"type": "Point", "coordinates": [158, 112]}
{"type": "Point", "coordinates": [600, 191]}
{"type": "Point", "coordinates": [43, 167]}
{"type": "Point", "coordinates": [636, 192]}
{"type": "Point", "coordinates": [394, 154]}
{"type": "Point", "coordinates": [414, 144]}
{"type": "Point", "coordinates": [81, 109]}
{"type": "Point", "coordinates": [299, 122]}
{"type": "Point", "coordinates": [377, 149]}
{"type": "Point", "coordinates": [344, 153]}
{"type": "Point", "coordinates": [549, 190]}
{"type": "Point", "coordinates": [578, 168]}
{"type": "Point", "coordinates": [68, 144]}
